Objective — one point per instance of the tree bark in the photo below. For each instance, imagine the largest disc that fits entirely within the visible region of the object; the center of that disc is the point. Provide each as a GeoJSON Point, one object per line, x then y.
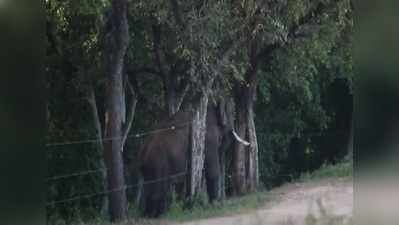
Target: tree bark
{"type": "Point", "coordinates": [239, 156]}
{"type": "Point", "coordinates": [171, 99]}
{"type": "Point", "coordinates": [116, 43]}
{"type": "Point", "coordinates": [113, 153]}
{"type": "Point", "coordinates": [197, 151]}
{"type": "Point", "coordinates": [245, 158]}
{"type": "Point", "coordinates": [253, 169]}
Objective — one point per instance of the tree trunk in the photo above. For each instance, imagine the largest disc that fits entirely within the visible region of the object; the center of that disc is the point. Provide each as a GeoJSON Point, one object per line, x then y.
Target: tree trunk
{"type": "Point", "coordinates": [245, 158]}
{"type": "Point", "coordinates": [171, 100]}
{"type": "Point", "coordinates": [113, 147]}
{"type": "Point", "coordinates": [239, 156]}
{"type": "Point", "coordinates": [197, 150]}
{"type": "Point", "coordinates": [116, 43]}
{"type": "Point", "coordinates": [253, 170]}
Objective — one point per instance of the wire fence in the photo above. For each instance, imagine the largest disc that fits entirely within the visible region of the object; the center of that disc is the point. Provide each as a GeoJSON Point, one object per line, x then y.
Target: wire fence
{"type": "Point", "coordinates": [87, 172]}
{"type": "Point", "coordinates": [137, 135]}
{"type": "Point", "coordinates": [101, 170]}
{"type": "Point", "coordinates": [125, 187]}
{"type": "Point", "coordinates": [93, 171]}
{"type": "Point", "coordinates": [142, 134]}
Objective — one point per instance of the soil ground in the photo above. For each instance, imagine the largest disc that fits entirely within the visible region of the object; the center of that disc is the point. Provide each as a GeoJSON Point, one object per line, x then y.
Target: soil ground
{"type": "Point", "coordinates": [295, 203]}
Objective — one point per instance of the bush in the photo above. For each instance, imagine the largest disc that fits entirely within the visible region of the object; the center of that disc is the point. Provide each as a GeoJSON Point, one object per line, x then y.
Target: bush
{"type": "Point", "coordinates": [339, 170]}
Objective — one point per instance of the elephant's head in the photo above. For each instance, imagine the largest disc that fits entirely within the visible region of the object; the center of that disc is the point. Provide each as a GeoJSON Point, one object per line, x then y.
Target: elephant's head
{"type": "Point", "coordinates": [225, 111]}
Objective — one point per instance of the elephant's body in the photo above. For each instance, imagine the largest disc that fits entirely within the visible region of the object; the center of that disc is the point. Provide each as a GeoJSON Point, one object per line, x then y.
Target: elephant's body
{"type": "Point", "coordinates": [164, 160]}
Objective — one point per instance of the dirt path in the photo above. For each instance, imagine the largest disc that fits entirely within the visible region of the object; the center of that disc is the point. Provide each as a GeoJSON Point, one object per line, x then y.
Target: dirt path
{"type": "Point", "coordinates": [295, 203]}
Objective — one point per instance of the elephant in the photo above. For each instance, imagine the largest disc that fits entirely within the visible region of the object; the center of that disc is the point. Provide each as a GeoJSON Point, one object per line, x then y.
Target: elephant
{"type": "Point", "coordinates": [164, 157]}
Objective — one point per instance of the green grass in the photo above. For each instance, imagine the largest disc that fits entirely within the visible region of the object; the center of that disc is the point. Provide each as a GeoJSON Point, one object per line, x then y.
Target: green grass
{"type": "Point", "coordinates": [234, 205]}
{"type": "Point", "coordinates": [238, 205]}
{"type": "Point", "coordinates": [340, 170]}
{"type": "Point", "coordinates": [249, 203]}
{"type": "Point", "coordinates": [252, 201]}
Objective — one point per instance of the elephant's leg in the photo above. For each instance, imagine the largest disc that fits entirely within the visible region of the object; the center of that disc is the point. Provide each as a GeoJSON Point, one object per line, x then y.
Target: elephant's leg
{"type": "Point", "coordinates": [156, 201]}
{"type": "Point", "coordinates": [165, 196]}
{"type": "Point", "coordinates": [150, 200]}
{"type": "Point", "coordinates": [180, 191]}
{"type": "Point", "coordinates": [213, 187]}
{"type": "Point", "coordinates": [212, 173]}
{"type": "Point", "coordinates": [155, 197]}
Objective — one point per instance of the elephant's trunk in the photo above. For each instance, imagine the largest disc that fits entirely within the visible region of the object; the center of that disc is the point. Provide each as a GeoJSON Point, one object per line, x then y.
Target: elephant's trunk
{"type": "Point", "coordinates": [242, 141]}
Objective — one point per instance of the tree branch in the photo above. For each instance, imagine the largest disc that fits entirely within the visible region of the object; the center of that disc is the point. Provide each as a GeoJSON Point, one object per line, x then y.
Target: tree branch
{"type": "Point", "coordinates": [181, 94]}
{"type": "Point", "coordinates": [292, 34]}
{"type": "Point", "coordinates": [311, 14]}
{"type": "Point", "coordinates": [145, 70]}
{"type": "Point", "coordinates": [128, 124]}
{"type": "Point", "coordinates": [91, 99]}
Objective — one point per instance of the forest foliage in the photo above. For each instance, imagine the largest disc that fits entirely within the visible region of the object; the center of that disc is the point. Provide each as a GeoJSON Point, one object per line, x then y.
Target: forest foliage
{"type": "Point", "coordinates": [304, 85]}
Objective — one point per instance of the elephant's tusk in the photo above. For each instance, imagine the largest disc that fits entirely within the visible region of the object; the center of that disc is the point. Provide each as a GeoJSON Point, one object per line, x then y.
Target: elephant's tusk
{"type": "Point", "coordinates": [246, 143]}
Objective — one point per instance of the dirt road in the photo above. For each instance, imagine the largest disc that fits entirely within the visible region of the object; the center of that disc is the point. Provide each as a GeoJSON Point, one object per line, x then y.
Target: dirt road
{"type": "Point", "coordinates": [295, 203]}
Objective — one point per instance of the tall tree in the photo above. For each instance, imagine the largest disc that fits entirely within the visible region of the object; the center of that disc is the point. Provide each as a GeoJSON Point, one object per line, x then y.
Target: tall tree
{"type": "Point", "coordinates": [276, 25]}
{"type": "Point", "coordinates": [116, 43]}
{"type": "Point", "coordinates": [203, 47]}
